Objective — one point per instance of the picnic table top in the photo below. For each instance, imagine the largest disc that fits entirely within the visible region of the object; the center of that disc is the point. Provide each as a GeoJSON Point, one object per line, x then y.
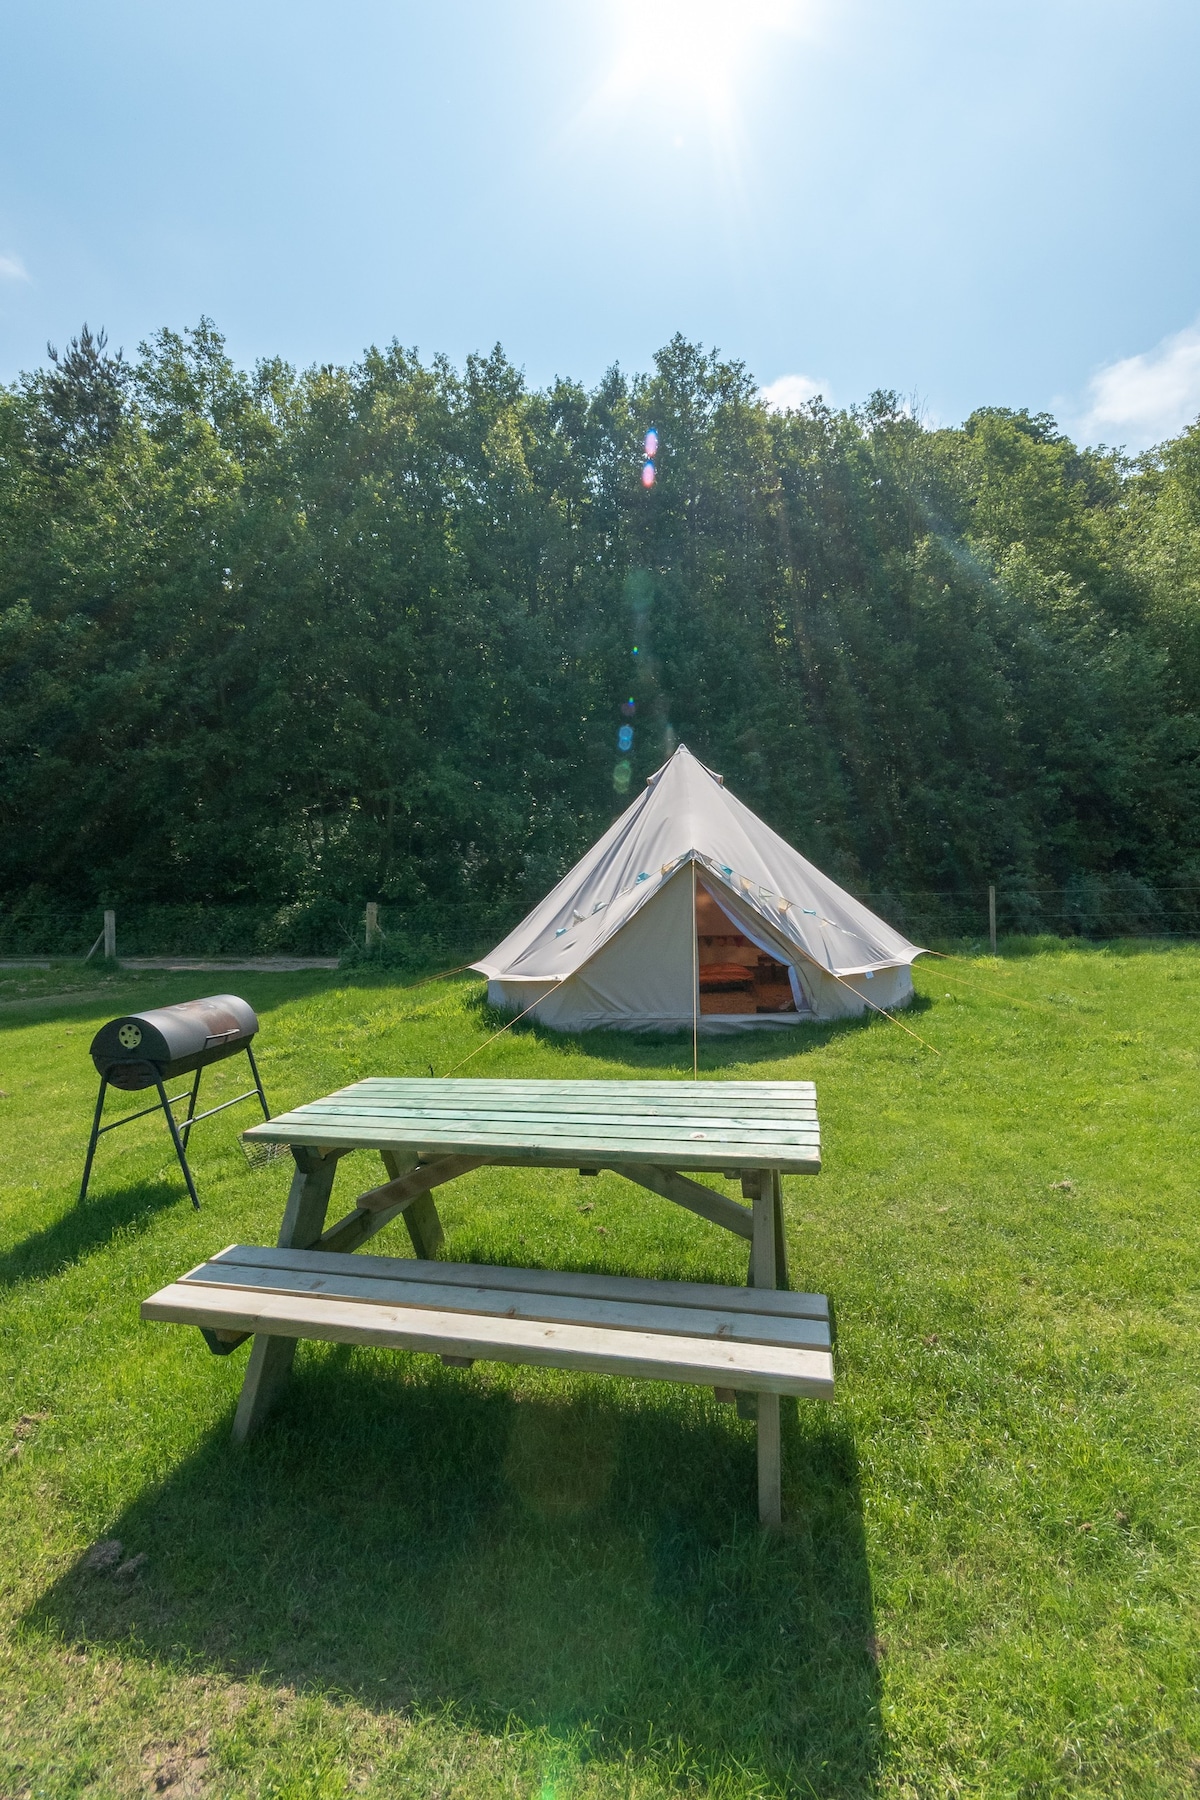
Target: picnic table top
{"type": "Point", "coordinates": [713, 1125]}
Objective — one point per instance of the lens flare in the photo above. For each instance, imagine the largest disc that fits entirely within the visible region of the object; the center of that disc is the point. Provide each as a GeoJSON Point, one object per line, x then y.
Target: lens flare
{"type": "Point", "coordinates": [625, 738]}
{"type": "Point", "coordinates": [649, 475]}
{"type": "Point", "coordinates": [622, 776]}
{"type": "Point", "coordinates": [628, 708]}
{"type": "Point", "coordinates": [651, 445]}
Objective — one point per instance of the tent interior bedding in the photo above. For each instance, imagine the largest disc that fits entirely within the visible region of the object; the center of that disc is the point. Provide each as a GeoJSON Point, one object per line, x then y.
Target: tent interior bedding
{"type": "Point", "coordinates": [690, 912]}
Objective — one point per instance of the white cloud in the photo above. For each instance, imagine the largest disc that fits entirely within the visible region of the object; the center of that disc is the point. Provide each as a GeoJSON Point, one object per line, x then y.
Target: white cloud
{"type": "Point", "coordinates": [13, 269]}
{"type": "Point", "coordinates": [1142, 399]}
{"type": "Point", "coordinates": [790, 392]}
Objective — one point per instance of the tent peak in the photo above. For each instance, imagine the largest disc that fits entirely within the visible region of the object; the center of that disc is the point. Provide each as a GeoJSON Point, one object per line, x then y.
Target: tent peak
{"type": "Point", "coordinates": [685, 753]}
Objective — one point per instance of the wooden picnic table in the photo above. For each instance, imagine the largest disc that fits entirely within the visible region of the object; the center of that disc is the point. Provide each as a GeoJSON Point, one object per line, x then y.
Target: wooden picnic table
{"type": "Point", "coordinates": [430, 1132]}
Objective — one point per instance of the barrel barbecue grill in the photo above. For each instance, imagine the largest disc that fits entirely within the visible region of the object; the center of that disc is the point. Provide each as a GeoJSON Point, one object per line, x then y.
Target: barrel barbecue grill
{"type": "Point", "coordinates": [149, 1049]}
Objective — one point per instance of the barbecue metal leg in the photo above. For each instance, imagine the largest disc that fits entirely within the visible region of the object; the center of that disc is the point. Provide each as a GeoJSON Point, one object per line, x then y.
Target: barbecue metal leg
{"type": "Point", "coordinates": [271, 1358]}
{"type": "Point", "coordinates": [173, 1128]}
{"type": "Point", "coordinates": [94, 1139]}
{"type": "Point", "coordinates": [258, 1082]}
{"type": "Point", "coordinates": [186, 1127]}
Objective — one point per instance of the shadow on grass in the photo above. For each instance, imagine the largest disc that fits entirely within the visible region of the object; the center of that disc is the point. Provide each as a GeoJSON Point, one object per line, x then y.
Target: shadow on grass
{"type": "Point", "coordinates": [720, 1051]}
{"type": "Point", "coordinates": [588, 1564]}
{"type": "Point", "coordinates": [82, 1229]}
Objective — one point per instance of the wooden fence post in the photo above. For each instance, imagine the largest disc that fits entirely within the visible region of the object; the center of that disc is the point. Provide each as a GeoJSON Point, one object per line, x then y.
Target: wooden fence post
{"type": "Point", "coordinates": [992, 916]}
{"type": "Point", "coordinates": [110, 935]}
{"type": "Point", "coordinates": [373, 931]}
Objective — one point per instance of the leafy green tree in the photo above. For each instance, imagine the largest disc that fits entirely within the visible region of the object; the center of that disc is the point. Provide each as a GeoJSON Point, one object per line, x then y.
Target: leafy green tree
{"type": "Point", "coordinates": [272, 638]}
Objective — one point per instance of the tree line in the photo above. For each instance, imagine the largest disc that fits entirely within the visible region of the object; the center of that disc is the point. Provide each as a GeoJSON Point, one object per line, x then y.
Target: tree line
{"type": "Point", "coordinates": [280, 639]}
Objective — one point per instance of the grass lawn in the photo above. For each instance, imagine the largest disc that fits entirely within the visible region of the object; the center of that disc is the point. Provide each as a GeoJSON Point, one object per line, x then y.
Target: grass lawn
{"type": "Point", "coordinates": [424, 1581]}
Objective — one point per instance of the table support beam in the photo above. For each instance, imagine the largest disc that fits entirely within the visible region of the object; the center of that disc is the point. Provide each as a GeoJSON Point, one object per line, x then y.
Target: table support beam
{"type": "Point", "coordinates": [782, 1277]}
{"type": "Point", "coordinates": [379, 1206]}
{"type": "Point", "coordinates": [763, 1273]}
{"type": "Point", "coordinates": [271, 1358]}
{"type": "Point", "coordinates": [420, 1213]}
{"type": "Point", "coordinates": [351, 1233]}
{"type": "Point", "coordinates": [711, 1205]}
{"type": "Point", "coordinates": [409, 1186]}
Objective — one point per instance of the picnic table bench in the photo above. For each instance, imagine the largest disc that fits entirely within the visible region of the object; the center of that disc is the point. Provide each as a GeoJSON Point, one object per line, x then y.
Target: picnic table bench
{"type": "Point", "coordinates": [760, 1340]}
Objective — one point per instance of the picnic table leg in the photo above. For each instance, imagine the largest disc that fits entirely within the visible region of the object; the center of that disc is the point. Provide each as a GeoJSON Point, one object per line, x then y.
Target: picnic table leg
{"type": "Point", "coordinates": [420, 1216]}
{"type": "Point", "coordinates": [781, 1256]}
{"type": "Point", "coordinates": [764, 1269]}
{"type": "Point", "coordinates": [271, 1358]}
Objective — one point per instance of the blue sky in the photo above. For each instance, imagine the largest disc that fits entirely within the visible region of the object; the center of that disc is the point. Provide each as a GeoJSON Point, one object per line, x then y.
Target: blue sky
{"type": "Point", "coordinates": [972, 203]}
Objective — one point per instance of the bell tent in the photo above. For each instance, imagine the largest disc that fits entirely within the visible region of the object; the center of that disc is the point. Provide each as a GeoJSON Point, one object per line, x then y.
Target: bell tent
{"type": "Point", "coordinates": [691, 912]}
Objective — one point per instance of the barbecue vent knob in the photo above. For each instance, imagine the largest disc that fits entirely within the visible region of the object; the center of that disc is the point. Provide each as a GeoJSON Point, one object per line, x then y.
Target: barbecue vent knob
{"type": "Point", "coordinates": [130, 1036]}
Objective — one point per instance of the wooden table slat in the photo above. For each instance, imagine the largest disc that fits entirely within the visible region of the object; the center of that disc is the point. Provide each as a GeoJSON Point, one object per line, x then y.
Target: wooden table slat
{"type": "Point", "coordinates": [554, 1130]}
{"type": "Point", "coordinates": [481, 1298]}
{"type": "Point", "coordinates": [648, 1093]}
{"type": "Point", "coordinates": [504, 1084]}
{"type": "Point", "coordinates": [718, 1097]}
{"type": "Point", "coordinates": [571, 1096]}
{"type": "Point", "coordinates": [700, 1362]}
{"type": "Point", "coordinates": [775, 1302]}
{"type": "Point", "coordinates": [560, 1123]}
{"type": "Point", "coordinates": [488, 1107]}
{"type": "Point", "coordinates": [712, 1156]}
{"type": "Point", "coordinates": [461, 1131]}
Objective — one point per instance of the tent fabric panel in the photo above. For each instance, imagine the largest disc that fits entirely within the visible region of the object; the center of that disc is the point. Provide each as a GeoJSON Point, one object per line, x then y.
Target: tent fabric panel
{"type": "Point", "coordinates": [646, 969]}
{"type": "Point", "coordinates": [641, 980]}
{"type": "Point", "coordinates": [847, 998]}
{"type": "Point", "coordinates": [515, 996]}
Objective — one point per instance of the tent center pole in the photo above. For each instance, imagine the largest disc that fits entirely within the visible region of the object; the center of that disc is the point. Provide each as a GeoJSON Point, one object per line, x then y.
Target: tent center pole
{"type": "Point", "coordinates": [695, 982]}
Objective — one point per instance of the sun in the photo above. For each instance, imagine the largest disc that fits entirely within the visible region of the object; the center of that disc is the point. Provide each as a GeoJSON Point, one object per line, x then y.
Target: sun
{"type": "Point", "coordinates": [692, 53]}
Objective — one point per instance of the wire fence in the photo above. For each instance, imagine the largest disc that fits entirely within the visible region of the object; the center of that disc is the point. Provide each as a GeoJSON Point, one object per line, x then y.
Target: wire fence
{"type": "Point", "coordinates": [404, 936]}
{"type": "Point", "coordinates": [1095, 907]}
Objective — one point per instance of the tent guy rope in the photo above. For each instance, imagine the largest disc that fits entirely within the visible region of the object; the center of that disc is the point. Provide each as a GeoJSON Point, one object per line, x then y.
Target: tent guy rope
{"type": "Point", "coordinates": [1039, 1006]}
{"type": "Point", "coordinates": [885, 1014]}
{"type": "Point", "coordinates": [496, 1034]}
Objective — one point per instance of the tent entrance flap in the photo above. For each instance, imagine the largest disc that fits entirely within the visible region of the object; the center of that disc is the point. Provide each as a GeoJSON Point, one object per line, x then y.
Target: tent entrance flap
{"type": "Point", "coordinates": [738, 974]}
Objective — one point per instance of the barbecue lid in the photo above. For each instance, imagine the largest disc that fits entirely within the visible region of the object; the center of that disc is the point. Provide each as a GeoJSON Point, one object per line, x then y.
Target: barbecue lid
{"type": "Point", "coordinates": [166, 1034]}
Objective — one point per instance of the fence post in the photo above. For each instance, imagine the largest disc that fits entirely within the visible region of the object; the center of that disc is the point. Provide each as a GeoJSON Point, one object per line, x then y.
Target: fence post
{"type": "Point", "coordinates": [992, 916]}
{"type": "Point", "coordinates": [110, 935]}
{"type": "Point", "coordinates": [373, 933]}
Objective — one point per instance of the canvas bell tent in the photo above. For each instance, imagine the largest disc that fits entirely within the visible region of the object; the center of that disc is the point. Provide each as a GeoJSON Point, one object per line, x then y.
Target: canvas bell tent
{"type": "Point", "coordinates": [691, 911]}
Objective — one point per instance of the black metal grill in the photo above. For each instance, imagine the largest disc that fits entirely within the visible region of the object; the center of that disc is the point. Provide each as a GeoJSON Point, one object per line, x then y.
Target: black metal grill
{"type": "Point", "coordinates": [143, 1050]}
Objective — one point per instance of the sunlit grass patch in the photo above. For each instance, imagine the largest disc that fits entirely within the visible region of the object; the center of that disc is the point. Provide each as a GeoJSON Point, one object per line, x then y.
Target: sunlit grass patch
{"type": "Point", "coordinates": [501, 1581]}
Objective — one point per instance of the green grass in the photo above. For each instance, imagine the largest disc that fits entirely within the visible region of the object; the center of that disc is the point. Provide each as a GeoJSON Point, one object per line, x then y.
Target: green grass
{"type": "Point", "coordinates": [430, 1582]}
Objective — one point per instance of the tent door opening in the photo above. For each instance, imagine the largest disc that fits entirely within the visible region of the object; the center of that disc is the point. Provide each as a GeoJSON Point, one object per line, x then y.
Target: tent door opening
{"type": "Point", "coordinates": [735, 976]}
